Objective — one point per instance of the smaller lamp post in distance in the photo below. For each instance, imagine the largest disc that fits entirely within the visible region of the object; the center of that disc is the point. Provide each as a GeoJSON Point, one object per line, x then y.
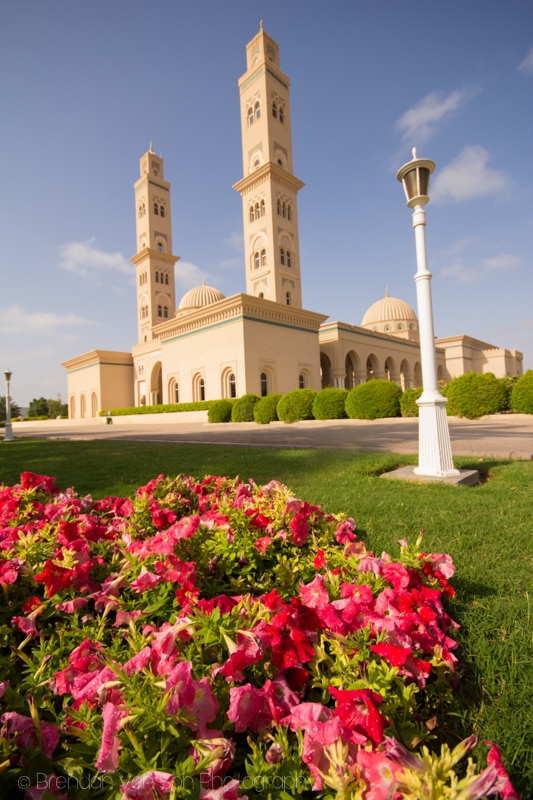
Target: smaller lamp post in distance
{"type": "Point", "coordinates": [434, 447]}
{"type": "Point", "coordinates": [8, 435]}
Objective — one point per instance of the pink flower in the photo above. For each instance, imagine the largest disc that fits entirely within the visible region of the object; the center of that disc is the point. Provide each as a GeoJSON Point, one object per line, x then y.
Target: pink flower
{"type": "Point", "coordinates": [23, 728]}
{"type": "Point", "coordinates": [150, 786]}
{"type": "Point", "coordinates": [397, 575]}
{"type": "Point", "coordinates": [495, 758]}
{"type": "Point", "coordinates": [314, 594]}
{"type": "Point", "coordinates": [229, 791]}
{"type": "Point", "coordinates": [146, 580]}
{"type": "Point", "coordinates": [263, 543]}
{"type": "Point", "coordinates": [344, 532]}
{"type": "Point", "coordinates": [180, 687]}
{"type": "Point", "coordinates": [107, 760]}
{"type": "Point", "coordinates": [249, 708]}
{"type": "Point", "coordinates": [379, 773]}
{"type": "Point", "coordinates": [69, 606]}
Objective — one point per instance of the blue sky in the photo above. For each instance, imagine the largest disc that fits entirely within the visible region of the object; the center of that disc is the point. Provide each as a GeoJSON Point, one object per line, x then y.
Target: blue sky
{"type": "Point", "coordinates": [86, 86]}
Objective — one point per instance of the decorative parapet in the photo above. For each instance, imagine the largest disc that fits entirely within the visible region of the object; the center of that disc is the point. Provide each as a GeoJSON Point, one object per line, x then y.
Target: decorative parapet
{"type": "Point", "coordinates": [98, 358]}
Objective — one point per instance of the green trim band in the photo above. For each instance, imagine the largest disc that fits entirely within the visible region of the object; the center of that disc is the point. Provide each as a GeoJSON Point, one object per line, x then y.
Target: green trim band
{"type": "Point", "coordinates": [252, 78]}
{"type": "Point", "coordinates": [278, 79]}
{"type": "Point", "coordinates": [99, 364]}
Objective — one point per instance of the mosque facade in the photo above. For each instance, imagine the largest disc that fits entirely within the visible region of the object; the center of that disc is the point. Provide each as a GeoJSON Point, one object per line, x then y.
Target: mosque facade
{"type": "Point", "coordinates": [260, 341]}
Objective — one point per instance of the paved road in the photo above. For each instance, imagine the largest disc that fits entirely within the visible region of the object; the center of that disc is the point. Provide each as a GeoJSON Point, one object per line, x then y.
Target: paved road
{"type": "Point", "coordinates": [503, 436]}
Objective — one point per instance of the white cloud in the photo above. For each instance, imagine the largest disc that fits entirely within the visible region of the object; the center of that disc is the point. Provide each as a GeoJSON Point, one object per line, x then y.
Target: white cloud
{"type": "Point", "coordinates": [188, 275]}
{"type": "Point", "coordinates": [16, 320]}
{"type": "Point", "coordinates": [419, 122]}
{"type": "Point", "coordinates": [84, 259]}
{"type": "Point", "coordinates": [502, 263]}
{"type": "Point", "coordinates": [235, 240]}
{"type": "Point", "coordinates": [468, 176]}
{"type": "Point", "coordinates": [526, 65]}
{"type": "Point", "coordinates": [489, 266]}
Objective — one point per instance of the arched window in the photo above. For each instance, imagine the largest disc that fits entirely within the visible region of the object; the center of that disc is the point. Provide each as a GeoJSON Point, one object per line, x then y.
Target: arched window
{"type": "Point", "coordinates": [252, 217]}
{"type": "Point", "coordinates": [289, 258]}
{"type": "Point", "coordinates": [400, 327]}
{"type": "Point", "coordinates": [278, 207]}
{"type": "Point", "coordinates": [256, 260]}
{"type": "Point", "coordinates": [301, 382]}
{"type": "Point", "coordinates": [280, 162]}
{"type": "Point", "coordinates": [274, 109]}
{"type": "Point", "coordinates": [232, 386]}
{"type": "Point", "coordinates": [282, 256]}
{"type": "Point", "coordinates": [173, 391]}
{"type": "Point", "coordinates": [94, 405]}
{"type": "Point", "coordinates": [201, 386]}
{"type": "Point", "coordinates": [263, 257]}
{"type": "Point", "coordinates": [250, 114]}
{"type": "Point", "coordinates": [289, 212]}
{"type": "Point", "coordinates": [281, 114]}
{"type": "Point", "coordinates": [284, 210]}
{"type": "Point", "coordinates": [156, 209]}
{"type": "Point", "coordinates": [157, 276]}
{"type": "Point", "coordinates": [288, 298]}
{"type": "Point", "coordinates": [261, 296]}
{"type": "Point", "coordinates": [264, 385]}
{"type": "Point", "coordinates": [82, 406]}
{"type": "Point", "coordinates": [166, 278]}
{"type": "Point", "coordinates": [159, 311]}
{"type": "Point", "coordinates": [257, 109]}
{"type": "Point", "coordinates": [160, 248]}
{"type": "Point", "coordinates": [72, 407]}
{"type": "Point", "coordinates": [263, 208]}
{"type": "Point", "coordinates": [162, 211]}
{"type": "Point", "coordinates": [165, 312]}
{"type": "Point", "coordinates": [257, 163]}
{"type": "Point", "coordinates": [257, 210]}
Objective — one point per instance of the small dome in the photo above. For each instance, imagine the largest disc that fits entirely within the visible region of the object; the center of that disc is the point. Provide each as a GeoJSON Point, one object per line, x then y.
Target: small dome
{"type": "Point", "coordinates": [389, 309]}
{"type": "Point", "coordinates": [200, 296]}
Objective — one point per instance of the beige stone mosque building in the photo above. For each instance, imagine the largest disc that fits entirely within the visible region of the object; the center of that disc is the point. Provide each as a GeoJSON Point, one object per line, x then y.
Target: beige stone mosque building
{"type": "Point", "coordinates": [260, 341]}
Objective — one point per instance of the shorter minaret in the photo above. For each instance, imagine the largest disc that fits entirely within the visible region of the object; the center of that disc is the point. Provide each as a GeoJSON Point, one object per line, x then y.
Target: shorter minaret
{"type": "Point", "coordinates": [154, 262]}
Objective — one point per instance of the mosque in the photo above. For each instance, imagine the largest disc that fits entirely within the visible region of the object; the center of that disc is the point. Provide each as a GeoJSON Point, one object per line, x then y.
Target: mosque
{"type": "Point", "coordinates": [260, 341]}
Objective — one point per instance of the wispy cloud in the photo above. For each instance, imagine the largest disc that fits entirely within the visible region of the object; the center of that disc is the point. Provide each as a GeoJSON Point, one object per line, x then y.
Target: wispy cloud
{"type": "Point", "coordinates": [526, 65]}
{"type": "Point", "coordinates": [84, 259]}
{"type": "Point", "coordinates": [188, 275]}
{"type": "Point", "coordinates": [419, 122]}
{"type": "Point", "coordinates": [235, 241]}
{"type": "Point", "coordinates": [468, 176]}
{"type": "Point", "coordinates": [489, 266]}
{"type": "Point", "coordinates": [16, 320]}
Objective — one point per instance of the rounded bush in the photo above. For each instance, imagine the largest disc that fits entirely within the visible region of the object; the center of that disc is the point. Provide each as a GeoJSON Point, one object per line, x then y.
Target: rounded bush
{"type": "Point", "coordinates": [408, 405]}
{"type": "Point", "coordinates": [474, 395]}
{"type": "Point", "coordinates": [243, 408]}
{"type": "Point", "coordinates": [220, 411]}
{"type": "Point", "coordinates": [265, 410]}
{"type": "Point", "coordinates": [330, 404]}
{"type": "Point", "coordinates": [296, 405]}
{"type": "Point", "coordinates": [522, 394]}
{"type": "Point", "coordinates": [374, 400]}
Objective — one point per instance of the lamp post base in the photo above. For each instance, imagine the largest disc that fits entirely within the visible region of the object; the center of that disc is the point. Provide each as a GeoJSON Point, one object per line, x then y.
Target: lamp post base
{"type": "Point", "coordinates": [434, 447]}
{"type": "Point", "coordinates": [8, 433]}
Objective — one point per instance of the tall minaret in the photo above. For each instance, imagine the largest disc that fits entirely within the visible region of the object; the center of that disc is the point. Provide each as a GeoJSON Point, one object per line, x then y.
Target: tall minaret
{"type": "Point", "coordinates": [156, 294]}
{"type": "Point", "coordinates": [268, 188]}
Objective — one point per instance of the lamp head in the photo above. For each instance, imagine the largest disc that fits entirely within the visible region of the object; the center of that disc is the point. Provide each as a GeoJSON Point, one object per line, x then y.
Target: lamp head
{"type": "Point", "coordinates": [415, 179]}
{"type": "Point", "coordinates": [8, 374]}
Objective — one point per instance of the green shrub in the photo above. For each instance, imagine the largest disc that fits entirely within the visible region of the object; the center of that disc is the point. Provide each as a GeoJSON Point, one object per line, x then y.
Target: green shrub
{"type": "Point", "coordinates": [408, 406]}
{"type": "Point", "coordinates": [243, 408]}
{"type": "Point", "coordinates": [330, 404]}
{"type": "Point", "coordinates": [296, 405]}
{"type": "Point", "coordinates": [220, 411]}
{"type": "Point", "coordinates": [474, 395]}
{"type": "Point", "coordinates": [161, 408]}
{"type": "Point", "coordinates": [374, 400]}
{"type": "Point", "coordinates": [522, 394]}
{"type": "Point", "coordinates": [265, 410]}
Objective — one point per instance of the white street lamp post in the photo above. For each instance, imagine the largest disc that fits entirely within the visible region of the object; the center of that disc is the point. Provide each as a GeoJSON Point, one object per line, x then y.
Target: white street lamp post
{"type": "Point", "coordinates": [434, 447]}
{"type": "Point", "coordinates": [8, 436]}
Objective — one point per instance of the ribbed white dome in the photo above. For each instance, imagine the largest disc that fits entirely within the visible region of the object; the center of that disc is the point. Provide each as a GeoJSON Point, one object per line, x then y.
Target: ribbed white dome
{"type": "Point", "coordinates": [389, 309]}
{"type": "Point", "coordinates": [200, 296]}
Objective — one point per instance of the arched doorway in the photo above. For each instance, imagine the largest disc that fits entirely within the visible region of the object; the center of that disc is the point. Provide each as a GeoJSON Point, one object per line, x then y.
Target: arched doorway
{"type": "Point", "coordinates": [325, 370]}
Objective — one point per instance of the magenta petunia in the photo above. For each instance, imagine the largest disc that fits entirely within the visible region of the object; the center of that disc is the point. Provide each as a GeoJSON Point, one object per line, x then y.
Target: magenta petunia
{"type": "Point", "coordinates": [107, 760]}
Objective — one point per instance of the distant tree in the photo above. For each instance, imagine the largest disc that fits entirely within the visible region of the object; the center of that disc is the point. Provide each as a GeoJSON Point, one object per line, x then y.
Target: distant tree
{"type": "Point", "coordinates": [15, 410]}
{"type": "Point", "coordinates": [38, 407]}
{"type": "Point", "coordinates": [56, 408]}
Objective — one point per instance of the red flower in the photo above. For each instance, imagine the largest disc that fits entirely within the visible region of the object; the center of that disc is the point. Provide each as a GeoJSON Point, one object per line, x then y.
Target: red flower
{"type": "Point", "coordinates": [55, 578]}
{"type": "Point", "coordinates": [358, 710]}
{"type": "Point", "coordinates": [319, 560]}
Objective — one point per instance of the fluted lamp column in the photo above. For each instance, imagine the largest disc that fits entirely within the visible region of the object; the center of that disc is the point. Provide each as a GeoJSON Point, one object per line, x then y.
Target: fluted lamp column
{"type": "Point", "coordinates": [434, 447]}
{"type": "Point", "coordinates": [8, 435]}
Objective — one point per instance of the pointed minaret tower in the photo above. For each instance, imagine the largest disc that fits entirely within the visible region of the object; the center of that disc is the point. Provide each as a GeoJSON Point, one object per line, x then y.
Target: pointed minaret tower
{"type": "Point", "coordinates": [268, 188]}
{"type": "Point", "coordinates": [156, 294]}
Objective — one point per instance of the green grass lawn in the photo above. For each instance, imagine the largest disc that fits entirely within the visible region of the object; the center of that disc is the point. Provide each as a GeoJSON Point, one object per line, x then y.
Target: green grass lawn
{"type": "Point", "coordinates": [486, 529]}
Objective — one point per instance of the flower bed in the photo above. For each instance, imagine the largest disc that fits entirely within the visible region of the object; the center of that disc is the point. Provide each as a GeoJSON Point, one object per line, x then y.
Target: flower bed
{"type": "Point", "coordinates": [216, 639]}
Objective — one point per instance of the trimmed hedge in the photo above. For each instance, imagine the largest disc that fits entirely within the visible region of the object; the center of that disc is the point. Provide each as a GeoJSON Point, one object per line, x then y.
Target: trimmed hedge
{"type": "Point", "coordinates": [522, 394]}
{"type": "Point", "coordinates": [158, 409]}
{"type": "Point", "coordinates": [408, 406]}
{"type": "Point", "coordinates": [243, 408]}
{"type": "Point", "coordinates": [296, 405]}
{"type": "Point", "coordinates": [375, 399]}
{"type": "Point", "coordinates": [474, 395]}
{"type": "Point", "coordinates": [220, 411]}
{"type": "Point", "coordinates": [265, 410]}
{"type": "Point", "coordinates": [330, 404]}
